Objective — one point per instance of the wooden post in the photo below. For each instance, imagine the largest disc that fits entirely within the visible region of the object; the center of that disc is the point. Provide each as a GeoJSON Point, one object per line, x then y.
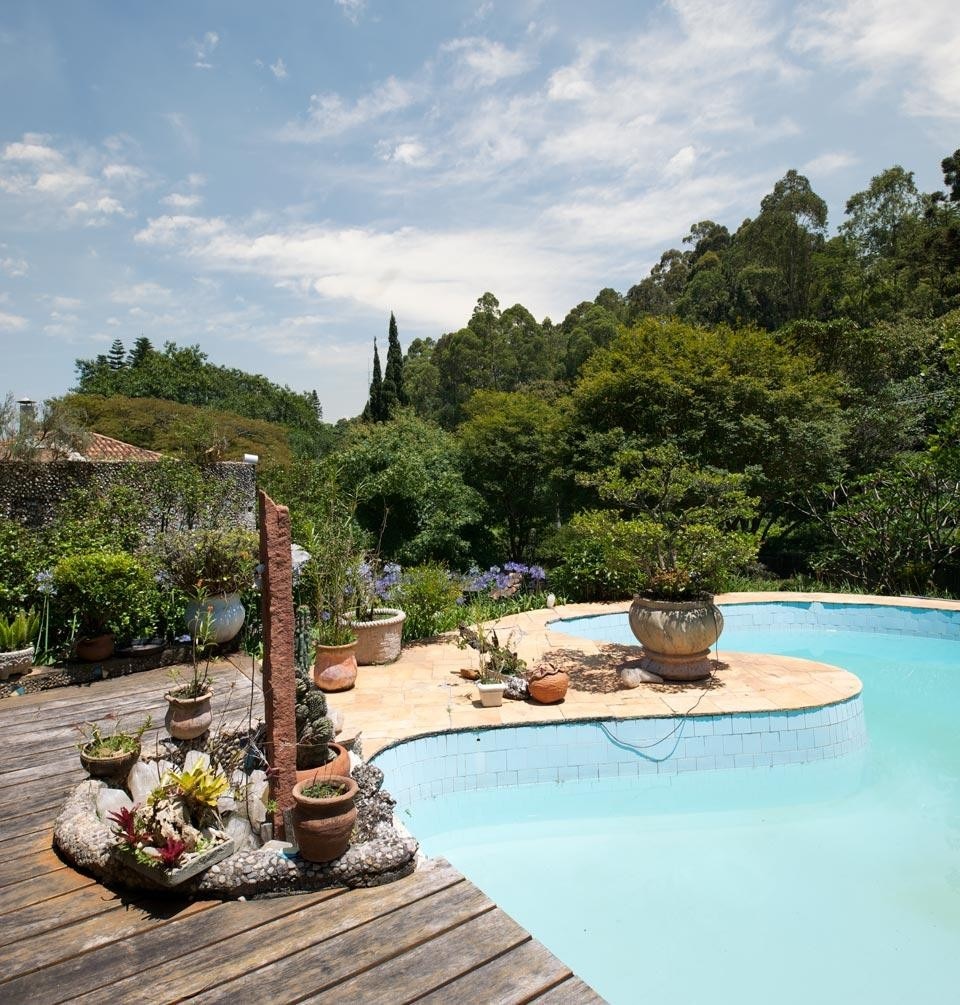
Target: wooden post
{"type": "Point", "coordinates": [279, 675]}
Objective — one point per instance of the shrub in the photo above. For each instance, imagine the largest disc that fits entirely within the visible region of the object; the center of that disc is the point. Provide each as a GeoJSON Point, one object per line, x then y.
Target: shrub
{"type": "Point", "coordinates": [106, 592]}
{"type": "Point", "coordinates": [205, 563]}
{"type": "Point", "coordinates": [19, 631]}
{"type": "Point", "coordinates": [428, 594]}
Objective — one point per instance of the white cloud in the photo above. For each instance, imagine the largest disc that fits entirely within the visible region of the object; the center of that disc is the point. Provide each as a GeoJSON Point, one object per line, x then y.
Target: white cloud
{"type": "Point", "coordinates": [178, 200]}
{"type": "Point", "coordinates": [124, 174]}
{"type": "Point", "coordinates": [910, 48]}
{"type": "Point", "coordinates": [34, 148]}
{"type": "Point", "coordinates": [16, 268]}
{"type": "Point", "coordinates": [409, 151]}
{"type": "Point", "coordinates": [279, 69]}
{"type": "Point", "coordinates": [351, 9]}
{"type": "Point", "coordinates": [203, 49]}
{"type": "Point", "coordinates": [12, 322]}
{"type": "Point", "coordinates": [196, 180]}
{"type": "Point", "coordinates": [829, 163]}
{"type": "Point", "coordinates": [483, 62]}
{"type": "Point", "coordinates": [141, 293]}
{"type": "Point", "coordinates": [330, 115]}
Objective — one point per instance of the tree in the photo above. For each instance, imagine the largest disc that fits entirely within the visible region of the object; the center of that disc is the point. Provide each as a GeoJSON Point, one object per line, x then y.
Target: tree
{"type": "Point", "coordinates": [374, 410]}
{"type": "Point", "coordinates": [141, 348]}
{"type": "Point", "coordinates": [394, 395]}
{"type": "Point", "coordinates": [421, 379]}
{"type": "Point", "coordinates": [117, 356]}
{"type": "Point", "coordinates": [315, 404]}
{"type": "Point", "coordinates": [951, 174]}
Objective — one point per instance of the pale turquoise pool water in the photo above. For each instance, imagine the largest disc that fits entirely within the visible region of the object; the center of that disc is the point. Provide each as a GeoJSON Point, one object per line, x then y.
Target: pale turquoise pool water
{"type": "Point", "coordinates": [832, 882]}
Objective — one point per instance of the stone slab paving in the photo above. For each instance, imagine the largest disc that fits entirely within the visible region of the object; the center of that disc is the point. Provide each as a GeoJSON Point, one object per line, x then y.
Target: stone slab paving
{"type": "Point", "coordinates": [423, 693]}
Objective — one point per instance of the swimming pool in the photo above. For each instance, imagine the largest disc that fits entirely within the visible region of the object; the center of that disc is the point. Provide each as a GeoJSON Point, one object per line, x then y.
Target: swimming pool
{"type": "Point", "coordinates": [831, 879]}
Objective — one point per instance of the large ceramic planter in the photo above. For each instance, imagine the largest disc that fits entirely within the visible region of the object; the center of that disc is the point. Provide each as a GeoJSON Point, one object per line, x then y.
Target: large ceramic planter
{"type": "Point", "coordinates": [676, 636]}
{"type": "Point", "coordinates": [379, 641]}
{"type": "Point", "coordinates": [335, 667]}
{"type": "Point", "coordinates": [92, 650]}
{"type": "Point", "coordinates": [548, 687]}
{"type": "Point", "coordinates": [226, 616]}
{"type": "Point", "coordinates": [323, 826]}
{"type": "Point", "coordinates": [16, 662]}
{"type": "Point", "coordinates": [491, 695]}
{"type": "Point", "coordinates": [339, 764]}
{"type": "Point", "coordinates": [188, 718]}
{"type": "Point", "coordinates": [113, 767]}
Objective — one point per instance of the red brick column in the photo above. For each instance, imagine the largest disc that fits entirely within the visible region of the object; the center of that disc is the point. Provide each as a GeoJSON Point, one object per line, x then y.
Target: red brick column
{"type": "Point", "coordinates": [279, 677]}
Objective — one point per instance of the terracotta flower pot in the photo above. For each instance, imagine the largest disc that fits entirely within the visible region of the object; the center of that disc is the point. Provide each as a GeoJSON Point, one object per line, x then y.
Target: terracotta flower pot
{"type": "Point", "coordinates": [113, 767]}
{"type": "Point", "coordinates": [323, 826]}
{"type": "Point", "coordinates": [92, 650]}
{"type": "Point", "coordinates": [338, 765]}
{"type": "Point", "coordinates": [379, 641]}
{"type": "Point", "coordinates": [188, 718]}
{"type": "Point", "coordinates": [548, 687]}
{"type": "Point", "coordinates": [676, 636]}
{"type": "Point", "coordinates": [335, 667]}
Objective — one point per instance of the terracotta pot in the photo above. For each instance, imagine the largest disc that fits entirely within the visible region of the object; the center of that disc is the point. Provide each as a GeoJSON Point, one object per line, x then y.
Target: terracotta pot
{"type": "Point", "coordinates": [379, 641]}
{"type": "Point", "coordinates": [188, 718]}
{"type": "Point", "coordinates": [335, 667]}
{"type": "Point", "coordinates": [548, 688]}
{"type": "Point", "coordinates": [114, 767]}
{"type": "Point", "coordinates": [92, 650]}
{"type": "Point", "coordinates": [338, 765]}
{"type": "Point", "coordinates": [16, 662]}
{"type": "Point", "coordinates": [676, 636]}
{"type": "Point", "coordinates": [323, 826]}
{"type": "Point", "coordinates": [227, 615]}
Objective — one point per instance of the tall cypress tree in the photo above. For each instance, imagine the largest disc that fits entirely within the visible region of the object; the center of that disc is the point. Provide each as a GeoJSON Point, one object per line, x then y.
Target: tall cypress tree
{"type": "Point", "coordinates": [374, 412]}
{"type": "Point", "coordinates": [393, 392]}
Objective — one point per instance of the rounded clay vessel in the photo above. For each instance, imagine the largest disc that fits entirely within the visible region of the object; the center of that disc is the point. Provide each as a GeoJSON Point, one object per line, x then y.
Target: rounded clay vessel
{"type": "Point", "coordinates": [339, 764]}
{"type": "Point", "coordinates": [188, 718]}
{"type": "Point", "coordinates": [323, 826]}
{"type": "Point", "coordinates": [335, 667]}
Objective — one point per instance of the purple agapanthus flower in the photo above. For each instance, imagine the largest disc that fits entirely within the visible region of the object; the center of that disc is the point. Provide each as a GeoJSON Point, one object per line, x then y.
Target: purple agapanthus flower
{"type": "Point", "coordinates": [45, 583]}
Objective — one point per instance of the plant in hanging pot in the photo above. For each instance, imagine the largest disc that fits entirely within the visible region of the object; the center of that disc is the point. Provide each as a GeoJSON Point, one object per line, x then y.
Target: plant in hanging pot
{"type": "Point", "coordinates": [110, 754]}
{"type": "Point", "coordinates": [211, 566]}
{"type": "Point", "coordinates": [378, 626]}
{"type": "Point", "coordinates": [17, 636]}
{"type": "Point", "coordinates": [691, 527]}
{"type": "Point", "coordinates": [323, 817]}
{"type": "Point", "coordinates": [110, 596]}
{"type": "Point", "coordinates": [188, 703]}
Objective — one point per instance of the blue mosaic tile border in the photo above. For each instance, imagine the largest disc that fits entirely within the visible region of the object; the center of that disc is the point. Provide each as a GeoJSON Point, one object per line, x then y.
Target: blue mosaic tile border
{"type": "Point", "coordinates": [440, 763]}
{"type": "Point", "coordinates": [815, 614]}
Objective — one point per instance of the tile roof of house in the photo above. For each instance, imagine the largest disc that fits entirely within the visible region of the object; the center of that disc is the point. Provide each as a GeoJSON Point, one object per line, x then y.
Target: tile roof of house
{"type": "Point", "coordinates": [106, 448]}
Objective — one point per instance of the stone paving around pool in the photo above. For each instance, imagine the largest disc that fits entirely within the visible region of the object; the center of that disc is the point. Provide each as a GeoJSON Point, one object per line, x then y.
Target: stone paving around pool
{"type": "Point", "coordinates": [423, 693]}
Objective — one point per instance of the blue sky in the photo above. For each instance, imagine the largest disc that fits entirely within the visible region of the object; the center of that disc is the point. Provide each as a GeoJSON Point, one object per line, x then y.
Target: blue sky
{"type": "Point", "coordinates": [271, 180]}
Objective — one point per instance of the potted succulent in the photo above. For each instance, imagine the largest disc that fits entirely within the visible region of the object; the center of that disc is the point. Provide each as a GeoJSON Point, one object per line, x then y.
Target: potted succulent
{"type": "Point", "coordinates": [327, 585]}
{"type": "Point", "coordinates": [177, 832]}
{"type": "Point", "coordinates": [109, 595]}
{"type": "Point", "coordinates": [188, 703]}
{"type": "Point", "coordinates": [318, 756]}
{"type": "Point", "coordinates": [17, 635]}
{"type": "Point", "coordinates": [112, 754]}
{"type": "Point", "coordinates": [323, 817]}
{"type": "Point", "coordinates": [212, 566]}
{"type": "Point", "coordinates": [377, 626]}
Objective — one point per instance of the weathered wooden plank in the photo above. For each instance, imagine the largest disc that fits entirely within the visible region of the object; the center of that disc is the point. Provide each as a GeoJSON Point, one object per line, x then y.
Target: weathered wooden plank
{"type": "Point", "coordinates": [572, 991]}
{"type": "Point", "coordinates": [37, 863]}
{"type": "Point", "coordinates": [63, 943]}
{"type": "Point", "coordinates": [358, 937]}
{"type": "Point", "coordinates": [41, 888]}
{"type": "Point", "coordinates": [27, 823]}
{"type": "Point", "coordinates": [50, 914]}
{"type": "Point", "coordinates": [115, 962]}
{"type": "Point", "coordinates": [27, 845]}
{"type": "Point", "coordinates": [430, 965]}
{"type": "Point", "coordinates": [516, 977]}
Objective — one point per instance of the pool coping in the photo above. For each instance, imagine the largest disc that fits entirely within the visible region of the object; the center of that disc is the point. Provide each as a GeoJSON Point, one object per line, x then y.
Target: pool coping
{"type": "Point", "coordinates": [421, 694]}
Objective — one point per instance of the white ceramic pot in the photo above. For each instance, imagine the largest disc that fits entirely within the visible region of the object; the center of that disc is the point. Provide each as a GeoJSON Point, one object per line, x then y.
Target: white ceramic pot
{"type": "Point", "coordinates": [491, 695]}
{"type": "Point", "coordinates": [16, 662]}
{"type": "Point", "coordinates": [226, 616]}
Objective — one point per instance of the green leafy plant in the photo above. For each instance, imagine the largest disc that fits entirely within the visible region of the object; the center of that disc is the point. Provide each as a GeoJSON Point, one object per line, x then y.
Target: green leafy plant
{"type": "Point", "coordinates": [107, 592]}
{"type": "Point", "coordinates": [201, 647]}
{"type": "Point", "coordinates": [209, 562]}
{"type": "Point", "coordinates": [19, 631]}
{"type": "Point", "coordinates": [199, 788]}
{"type": "Point", "coordinates": [99, 742]}
{"type": "Point", "coordinates": [323, 790]}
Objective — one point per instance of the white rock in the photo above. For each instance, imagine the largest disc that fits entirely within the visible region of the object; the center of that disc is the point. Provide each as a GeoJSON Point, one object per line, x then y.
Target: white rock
{"type": "Point", "coordinates": [195, 757]}
{"type": "Point", "coordinates": [635, 676]}
{"type": "Point", "coordinates": [111, 800]}
{"type": "Point", "coordinates": [252, 798]}
{"type": "Point", "coordinates": [144, 777]}
{"type": "Point", "coordinates": [241, 832]}
{"type": "Point", "coordinates": [551, 601]}
{"type": "Point", "coordinates": [226, 804]}
{"type": "Point", "coordinates": [336, 717]}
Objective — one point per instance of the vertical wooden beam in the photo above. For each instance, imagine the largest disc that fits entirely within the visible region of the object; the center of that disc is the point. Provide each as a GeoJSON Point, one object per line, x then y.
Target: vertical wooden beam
{"type": "Point", "coordinates": [279, 676]}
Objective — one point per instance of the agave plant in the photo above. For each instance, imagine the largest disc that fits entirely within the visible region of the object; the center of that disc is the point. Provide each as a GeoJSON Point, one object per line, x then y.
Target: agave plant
{"type": "Point", "coordinates": [20, 631]}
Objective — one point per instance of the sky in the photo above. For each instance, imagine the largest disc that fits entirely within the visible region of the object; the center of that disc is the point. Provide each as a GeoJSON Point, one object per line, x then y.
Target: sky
{"type": "Point", "coordinates": [270, 180]}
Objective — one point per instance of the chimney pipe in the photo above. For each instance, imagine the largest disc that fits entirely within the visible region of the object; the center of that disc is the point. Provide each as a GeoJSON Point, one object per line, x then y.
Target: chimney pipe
{"type": "Point", "coordinates": [28, 414]}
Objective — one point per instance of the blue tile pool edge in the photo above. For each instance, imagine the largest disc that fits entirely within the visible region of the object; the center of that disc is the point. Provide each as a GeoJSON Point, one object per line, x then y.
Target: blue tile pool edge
{"type": "Point", "coordinates": [434, 764]}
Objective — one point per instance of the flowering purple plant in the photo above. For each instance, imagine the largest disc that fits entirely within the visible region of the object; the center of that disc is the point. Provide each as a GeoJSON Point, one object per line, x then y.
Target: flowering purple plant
{"type": "Point", "coordinates": [505, 581]}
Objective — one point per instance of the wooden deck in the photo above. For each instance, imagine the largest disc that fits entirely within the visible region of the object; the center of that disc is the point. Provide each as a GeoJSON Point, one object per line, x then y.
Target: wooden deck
{"type": "Point", "coordinates": [432, 937]}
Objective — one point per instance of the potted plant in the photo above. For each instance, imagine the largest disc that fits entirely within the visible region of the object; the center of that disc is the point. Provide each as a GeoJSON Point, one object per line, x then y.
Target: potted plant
{"type": "Point", "coordinates": [17, 635]}
{"type": "Point", "coordinates": [323, 817]}
{"type": "Point", "coordinates": [177, 832]}
{"type": "Point", "coordinates": [496, 663]}
{"type": "Point", "coordinates": [328, 584]}
{"type": "Point", "coordinates": [318, 756]}
{"type": "Point", "coordinates": [188, 703]}
{"type": "Point", "coordinates": [377, 626]}
{"type": "Point", "coordinates": [110, 755]}
{"type": "Point", "coordinates": [212, 566]}
{"type": "Point", "coordinates": [109, 595]}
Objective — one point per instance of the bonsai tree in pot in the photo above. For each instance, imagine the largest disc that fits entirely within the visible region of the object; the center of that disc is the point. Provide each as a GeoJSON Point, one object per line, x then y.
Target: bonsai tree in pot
{"type": "Point", "coordinates": [109, 596]}
{"type": "Point", "coordinates": [211, 566]}
{"type": "Point", "coordinates": [691, 523]}
{"type": "Point", "coordinates": [17, 636]}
